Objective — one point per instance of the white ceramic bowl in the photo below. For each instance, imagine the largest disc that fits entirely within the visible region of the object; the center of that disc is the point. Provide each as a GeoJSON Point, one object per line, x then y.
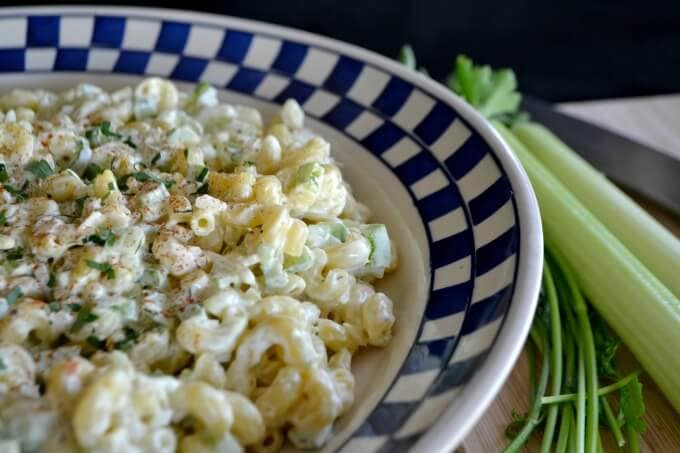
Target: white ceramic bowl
{"type": "Point", "coordinates": [457, 201]}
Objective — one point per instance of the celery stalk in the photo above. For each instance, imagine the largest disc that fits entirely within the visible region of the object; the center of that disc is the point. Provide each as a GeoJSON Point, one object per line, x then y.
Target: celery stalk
{"type": "Point", "coordinates": [656, 247]}
{"type": "Point", "coordinates": [640, 309]}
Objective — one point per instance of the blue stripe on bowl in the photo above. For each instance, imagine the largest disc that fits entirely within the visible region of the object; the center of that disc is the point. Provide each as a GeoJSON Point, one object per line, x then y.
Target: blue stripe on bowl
{"type": "Point", "coordinates": [393, 96]}
{"type": "Point", "coordinates": [42, 31]}
{"type": "Point", "coordinates": [173, 37]}
{"type": "Point", "coordinates": [71, 60]}
{"type": "Point", "coordinates": [343, 76]}
{"type": "Point", "coordinates": [189, 68]}
{"type": "Point", "coordinates": [435, 123]}
{"type": "Point", "coordinates": [12, 60]}
{"type": "Point", "coordinates": [132, 61]}
{"type": "Point", "coordinates": [398, 96]}
{"type": "Point", "coordinates": [450, 300]}
{"type": "Point", "coordinates": [107, 31]}
{"type": "Point", "coordinates": [290, 57]}
{"type": "Point", "coordinates": [246, 80]}
{"type": "Point", "coordinates": [383, 138]}
{"type": "Point", "coordinates": [234, 46]}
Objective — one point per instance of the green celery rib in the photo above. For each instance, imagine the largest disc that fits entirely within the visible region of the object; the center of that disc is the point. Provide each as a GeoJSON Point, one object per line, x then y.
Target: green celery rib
{"type": "Point", "coordinates": [641, 310]}
{"type": "Point", "coordinates": [656, 247]}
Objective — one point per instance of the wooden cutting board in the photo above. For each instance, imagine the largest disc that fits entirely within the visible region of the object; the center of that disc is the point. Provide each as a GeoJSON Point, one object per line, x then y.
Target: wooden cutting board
{"type": "Point", "coordinates": [653, 121]}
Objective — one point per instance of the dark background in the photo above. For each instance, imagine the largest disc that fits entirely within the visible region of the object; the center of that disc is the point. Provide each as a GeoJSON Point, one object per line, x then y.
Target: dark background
{"type": "Point", "coordinates": [560, 50]}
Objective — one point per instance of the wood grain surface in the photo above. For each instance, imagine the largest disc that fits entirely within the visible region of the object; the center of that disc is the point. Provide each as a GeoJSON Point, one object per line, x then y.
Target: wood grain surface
{"type": "Point", "coordinates": [653, 121]}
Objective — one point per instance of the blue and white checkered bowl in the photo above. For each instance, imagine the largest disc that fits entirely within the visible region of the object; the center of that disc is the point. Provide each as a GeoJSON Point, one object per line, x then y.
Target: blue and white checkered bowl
{"type": "Point", "coordinates": [458, 203]}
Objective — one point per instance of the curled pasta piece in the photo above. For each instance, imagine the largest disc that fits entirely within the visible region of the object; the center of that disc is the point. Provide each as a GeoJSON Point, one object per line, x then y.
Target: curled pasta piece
{"type": "Point", "coordinates": [296, 344]}
{"type": "Point", "coordinates": [205, 403]}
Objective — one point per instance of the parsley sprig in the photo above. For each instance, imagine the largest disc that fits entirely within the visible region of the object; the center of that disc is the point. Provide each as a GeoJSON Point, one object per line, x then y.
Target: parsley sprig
{"type": "Point", "coordinates": [105, 268]}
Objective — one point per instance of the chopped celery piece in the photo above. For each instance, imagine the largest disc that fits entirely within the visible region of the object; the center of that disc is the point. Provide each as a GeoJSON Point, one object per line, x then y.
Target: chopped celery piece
{"type": "Point", "coordinates": [327, 233]}
{"type": "Point", "coordinates": [300, 263]}
{"type": "Point", "coordinates": [381, 249]}
{"type": "Point", "coordinates": [310, 172]}
{"type": "Point", "coordinates": [272, 267]}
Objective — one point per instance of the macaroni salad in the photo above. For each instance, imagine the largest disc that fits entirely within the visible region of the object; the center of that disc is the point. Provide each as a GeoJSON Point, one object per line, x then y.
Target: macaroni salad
{"type": "Point", "coordinates": [177, 275]}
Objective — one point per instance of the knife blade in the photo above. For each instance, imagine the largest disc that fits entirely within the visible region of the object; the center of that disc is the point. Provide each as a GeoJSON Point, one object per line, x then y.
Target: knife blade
{"type": "Point", "coordinates": [639, 167]}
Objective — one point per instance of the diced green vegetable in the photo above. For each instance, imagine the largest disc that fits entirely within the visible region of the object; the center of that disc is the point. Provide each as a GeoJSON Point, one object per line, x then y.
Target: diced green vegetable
{"type": "Point", "coordinates": [91, 171]}
{"type": "Point", "coordinates": [326, 233]}
{"type": "Point", "coordinates": [3, 218]}
{"type": "Point", "coordinates": [202, 174]}
{"type": "Point", "coordinates": [40, 168]}
{"type": "Point", "coordinates": [130, 337]}
{"type": "Point", "coordinates": [381, 249]}
{"type": "Point", "coordinates": [106, 268]}
{"type": "Point", "coordinates": [103, 237]}
{"type": "Point", "coordinates": [15, 254]}
{"type": "Point", "coordinates": [308, 173]}
{"type": "Point", "coordinates": [85, 316]}
{"type": "Point", "coordinates": [4, 177]}
{"type": "Point", "coordinates": [14, 296]}
{"type": "Point", "coordinates": [272, 267]}
{"type": "Point", "coordinates": [98, 134]}
{"type": "Point", "coordinates": [95, 342]}
{"type": "Point", "coordinates": [295, 264]}
{"type": "Point", "coordinates": [656, 247]}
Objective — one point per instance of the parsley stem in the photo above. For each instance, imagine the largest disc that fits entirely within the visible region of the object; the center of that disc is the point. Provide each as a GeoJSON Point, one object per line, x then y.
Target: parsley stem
{"type": "Point", "coordinates": [566, 422]}
{"type": "Point", "coordinates": [531, 351]}
{"type": "Point", "coordinates": [538, 334]}
{"type": "Point", "coordinates": [611, 422]}
{"type": "Point", "coordinates": [580, 398]}
{"type": "Point", "coordinates": [555, 355]}
{"type": "Point", "coordinates": [633, 440]}
{"type": "Point", "coordinates": [602, 391]}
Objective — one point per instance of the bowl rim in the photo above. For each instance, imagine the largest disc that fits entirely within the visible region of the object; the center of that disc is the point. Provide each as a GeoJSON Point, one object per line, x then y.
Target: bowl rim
{"type": "Point", "coordinates": [488, 379]}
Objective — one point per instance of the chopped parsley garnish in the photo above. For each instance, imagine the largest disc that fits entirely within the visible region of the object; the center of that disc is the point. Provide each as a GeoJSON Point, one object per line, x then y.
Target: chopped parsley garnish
{"type": "Point", "coordinates": [155, 158]}
{"type": "Point", "coordinates": [74, 307]}
{"type": "Point", "coordinates": [14, 295]}
{"type": "Point", "coordinates": [201, 88]}
{"type": "Point", "coordinates": [130, 336]}
{"type": "Point", "coordinates": [96, 135]}
{"type": "Point", "coordinates": [248, 163]}
{"type": "Point", "coordinates": [80, 203]}
{"type": "Point", "coordinates": [15, 254]}
{"type": "Point", "coordinates": [201, 176]}
{"type": "Point", "coordinates": [186, 153]}
{"type": "Point", "coordinates": [106, 268]}
{"type": "Point", "coordinates": [95, 342]}
{"type": "Point", "coordinates": [91, 171]}
{"type": "Point", "coordinates": [104, 237]}
{"type": "Point", "coordinates": [54, 306]}
{"type": "Point", "coordinates": [3, 173]}
{"type": "Point", "coordinates": [143, 176]}
{"type": "Point", "coordinates": [85, 316]}
{"type": "Point", "coordinates": [40, 168]}
{"type": "Point", "coordinates": [19, 193]}
{"type": "Point", "coordinates": [51, 281]}
{"type": "Point", "coordinates": [128, 141]}
{"type": "Point", "coordinates": [202, 190]}
{"type": "Point", "coordinates": [3, 218]}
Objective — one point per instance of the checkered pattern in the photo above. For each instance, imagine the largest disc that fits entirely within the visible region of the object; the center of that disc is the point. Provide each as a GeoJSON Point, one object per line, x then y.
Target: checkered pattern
{"type": "Point", "coordinates": [461, 192]}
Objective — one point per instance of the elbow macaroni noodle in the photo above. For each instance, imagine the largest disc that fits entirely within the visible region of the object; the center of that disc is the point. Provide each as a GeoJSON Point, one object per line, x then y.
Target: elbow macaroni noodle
{"type": "Point", "coordinates": [177, 274]}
